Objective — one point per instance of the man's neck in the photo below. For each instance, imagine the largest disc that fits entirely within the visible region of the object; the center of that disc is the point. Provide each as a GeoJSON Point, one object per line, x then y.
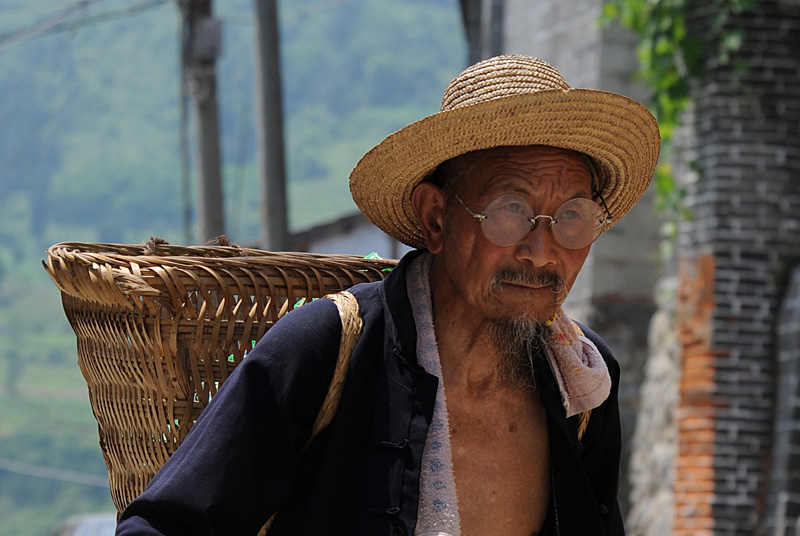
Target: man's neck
{"type": "Point", "coordinates": [468, 358]}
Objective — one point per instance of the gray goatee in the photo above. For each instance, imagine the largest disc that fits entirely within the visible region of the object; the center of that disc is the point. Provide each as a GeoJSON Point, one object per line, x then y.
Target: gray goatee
{"type": "Point", "coordinates": [519, 340]}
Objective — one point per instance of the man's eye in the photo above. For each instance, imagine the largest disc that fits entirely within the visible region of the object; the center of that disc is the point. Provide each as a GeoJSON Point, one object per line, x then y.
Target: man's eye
{"type": "Point", "coordinates": [514, 207]}
{"type": "Point", "coordinates": [570, 215]}
{"type": "Point", "coordinates": [508, 206]}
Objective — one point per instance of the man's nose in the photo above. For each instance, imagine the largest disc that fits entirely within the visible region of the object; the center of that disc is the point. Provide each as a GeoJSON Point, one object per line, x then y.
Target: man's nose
{"type": "Point", "coordinates": [539, 246]}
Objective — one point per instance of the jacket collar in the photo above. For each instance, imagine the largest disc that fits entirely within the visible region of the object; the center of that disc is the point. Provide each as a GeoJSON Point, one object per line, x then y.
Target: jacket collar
{"type": "Point", "coordinates": [394, 296]}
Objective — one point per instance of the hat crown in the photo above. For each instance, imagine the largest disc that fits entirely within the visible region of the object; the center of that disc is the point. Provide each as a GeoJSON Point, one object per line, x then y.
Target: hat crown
{"type": "Point", "coordinates": [509, 101]}
{"type": "Point", "coordinates": [502, 76]}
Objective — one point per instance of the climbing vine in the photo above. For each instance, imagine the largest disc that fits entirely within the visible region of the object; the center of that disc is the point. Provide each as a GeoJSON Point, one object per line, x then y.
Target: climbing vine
{"type": "Point", "coordinates": [669, 59]}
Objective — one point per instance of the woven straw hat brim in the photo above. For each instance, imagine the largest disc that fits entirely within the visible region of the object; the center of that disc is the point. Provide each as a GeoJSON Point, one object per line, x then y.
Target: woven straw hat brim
{"type": "Point", "coordinates": [618, 133]}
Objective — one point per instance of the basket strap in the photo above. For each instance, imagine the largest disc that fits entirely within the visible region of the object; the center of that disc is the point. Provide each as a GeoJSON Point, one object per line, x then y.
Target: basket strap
{"type": "Point", "coordinates": [351, 330]}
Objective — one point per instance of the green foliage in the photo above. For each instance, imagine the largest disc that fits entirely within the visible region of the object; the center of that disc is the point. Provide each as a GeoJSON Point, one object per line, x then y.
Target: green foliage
{"type": "Point", "coordinates": [670, 58]}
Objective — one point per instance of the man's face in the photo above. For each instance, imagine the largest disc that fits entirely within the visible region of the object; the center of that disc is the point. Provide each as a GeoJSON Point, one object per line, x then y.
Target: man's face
{"type": "Point", "coordinates": [505, 282]}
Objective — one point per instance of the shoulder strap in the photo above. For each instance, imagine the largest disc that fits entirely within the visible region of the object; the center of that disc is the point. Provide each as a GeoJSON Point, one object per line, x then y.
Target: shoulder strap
{"type": "Point", "coordinates": [351, 330]}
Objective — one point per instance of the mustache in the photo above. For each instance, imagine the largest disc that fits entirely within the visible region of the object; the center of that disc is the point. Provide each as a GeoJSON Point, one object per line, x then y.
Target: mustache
{"type": "Point", "coordinates": [509, 276]}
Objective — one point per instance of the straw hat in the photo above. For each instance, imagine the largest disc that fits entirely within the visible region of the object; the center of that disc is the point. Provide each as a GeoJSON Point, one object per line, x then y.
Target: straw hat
{"type": "Point", "coordinates": [509, 100]}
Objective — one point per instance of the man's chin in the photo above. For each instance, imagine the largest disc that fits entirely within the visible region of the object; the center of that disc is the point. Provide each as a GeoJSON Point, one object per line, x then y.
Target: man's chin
{"type": "Point", "coordinates": [517, 341]}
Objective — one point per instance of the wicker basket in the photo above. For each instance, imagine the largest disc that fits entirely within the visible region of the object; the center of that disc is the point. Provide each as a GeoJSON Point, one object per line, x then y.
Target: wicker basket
{"type": "Point", "coordinates": [161, 327]}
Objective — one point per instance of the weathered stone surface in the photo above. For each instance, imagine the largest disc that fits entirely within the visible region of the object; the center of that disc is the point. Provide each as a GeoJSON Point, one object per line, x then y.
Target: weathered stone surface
{"type": "Point", "coordinates": [652, 463]}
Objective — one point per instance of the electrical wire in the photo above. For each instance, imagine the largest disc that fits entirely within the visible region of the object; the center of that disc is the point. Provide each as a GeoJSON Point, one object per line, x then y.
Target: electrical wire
{"type": "Point", "coordinates": [29, 9]}
{"type": "Point", "coordinates": [60, 22]}
{"type": "Point", "coordinates": [120, 13]}
{"type": "Point", "coordinates": [42, 27]}
{"type": "Point", "coordinates": [53, 473]}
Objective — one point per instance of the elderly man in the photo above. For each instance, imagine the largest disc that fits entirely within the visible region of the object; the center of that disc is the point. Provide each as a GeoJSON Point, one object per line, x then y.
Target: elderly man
{"type": "Point", "coordinates": [472, 405]}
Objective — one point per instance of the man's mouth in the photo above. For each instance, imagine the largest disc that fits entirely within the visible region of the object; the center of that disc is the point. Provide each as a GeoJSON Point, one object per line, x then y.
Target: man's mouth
{"type": "Point", "coordinates": [532, 286]}
{"type": "Point", "coordinates": [517, 278]}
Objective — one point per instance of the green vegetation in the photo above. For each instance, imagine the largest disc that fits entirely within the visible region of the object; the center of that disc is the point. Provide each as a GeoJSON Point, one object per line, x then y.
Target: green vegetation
{"type": "Point", "coordinates": [90, 151]}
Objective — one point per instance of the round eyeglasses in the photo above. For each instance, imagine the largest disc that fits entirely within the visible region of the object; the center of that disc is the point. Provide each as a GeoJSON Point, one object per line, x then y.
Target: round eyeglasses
{"type": "Point", "coordinates": [508, 219]}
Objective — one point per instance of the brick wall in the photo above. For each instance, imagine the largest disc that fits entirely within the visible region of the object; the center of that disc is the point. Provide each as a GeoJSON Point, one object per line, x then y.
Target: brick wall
{"type": "Point", "coordinates": [740, 165]}
{"type": "Point", "coordinates": [696, 413]}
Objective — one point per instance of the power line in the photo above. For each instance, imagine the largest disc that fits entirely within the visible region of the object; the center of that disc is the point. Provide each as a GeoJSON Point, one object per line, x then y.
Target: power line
{"type": "Point", "coordinates": [60, 24]}
{"type": "Point", "coordinates": [52, 473]}
{"type": "Point", "coordinates": [29, 9]}
{"type": "Point", "coordinates": [46, 25]}
{"type": "Point", "coordinates": [115, 14]}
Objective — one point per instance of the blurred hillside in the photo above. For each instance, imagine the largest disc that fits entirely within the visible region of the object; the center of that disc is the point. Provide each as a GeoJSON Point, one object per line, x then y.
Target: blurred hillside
{"type": "Point", "coordinates": [90, 151]}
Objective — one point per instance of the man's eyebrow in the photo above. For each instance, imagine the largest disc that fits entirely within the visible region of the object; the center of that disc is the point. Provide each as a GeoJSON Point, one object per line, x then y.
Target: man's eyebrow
{"type": "Point", "coordinates": [512, 184]}
{"type": "Point", "coordinates": [523, 187]}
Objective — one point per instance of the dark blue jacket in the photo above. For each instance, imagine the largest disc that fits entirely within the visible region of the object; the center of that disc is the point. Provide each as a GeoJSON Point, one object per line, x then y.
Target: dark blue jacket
{"type": "Point", "coordinates": [244, 459]}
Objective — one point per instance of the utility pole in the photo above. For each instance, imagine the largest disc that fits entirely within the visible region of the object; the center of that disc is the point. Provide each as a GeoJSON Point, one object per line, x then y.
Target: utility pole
{"type": "Point", "coordinates": [269, 130]}
{"type": "Point", "coordinates": [200, 49]}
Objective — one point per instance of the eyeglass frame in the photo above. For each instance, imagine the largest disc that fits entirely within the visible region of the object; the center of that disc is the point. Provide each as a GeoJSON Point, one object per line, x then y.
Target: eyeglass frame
{"type": "Point", "coordinates": [480, 216]}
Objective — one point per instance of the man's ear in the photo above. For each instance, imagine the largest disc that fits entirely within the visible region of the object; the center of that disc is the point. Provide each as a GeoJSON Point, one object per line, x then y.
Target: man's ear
{"type": "Point", "coordinates": [429, 202]}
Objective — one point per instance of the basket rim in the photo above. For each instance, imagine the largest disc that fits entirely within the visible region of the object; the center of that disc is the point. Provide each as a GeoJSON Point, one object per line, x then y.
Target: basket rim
{"type": "Point", "coordinates": [115, 273]}
{"type": "Point", "coordinates": [167, 253]}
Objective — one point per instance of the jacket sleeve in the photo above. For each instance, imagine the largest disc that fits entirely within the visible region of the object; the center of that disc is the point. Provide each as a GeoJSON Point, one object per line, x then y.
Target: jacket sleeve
{"type": "Point", "coordinates": [602, 445]}
{"type": "Point", "coordinates": [238, 464]}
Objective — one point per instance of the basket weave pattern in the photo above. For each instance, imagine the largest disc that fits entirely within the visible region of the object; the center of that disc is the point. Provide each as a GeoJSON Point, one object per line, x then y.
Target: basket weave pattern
{"type": "Point", "coordinates": [160, 328]}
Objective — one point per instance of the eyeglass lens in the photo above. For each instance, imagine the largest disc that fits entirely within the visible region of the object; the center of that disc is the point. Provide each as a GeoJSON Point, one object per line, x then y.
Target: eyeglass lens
{"type": "Point", "coordinates": [509, 218]}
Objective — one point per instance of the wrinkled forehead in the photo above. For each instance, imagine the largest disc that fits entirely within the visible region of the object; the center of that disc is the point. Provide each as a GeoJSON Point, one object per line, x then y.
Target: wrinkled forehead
{"type": "Point", "coordinates": [478, 169]}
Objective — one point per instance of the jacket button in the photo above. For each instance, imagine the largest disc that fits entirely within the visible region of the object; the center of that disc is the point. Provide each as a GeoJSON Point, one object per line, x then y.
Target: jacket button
{"type": "Point", "coordinates": [603, 509]}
